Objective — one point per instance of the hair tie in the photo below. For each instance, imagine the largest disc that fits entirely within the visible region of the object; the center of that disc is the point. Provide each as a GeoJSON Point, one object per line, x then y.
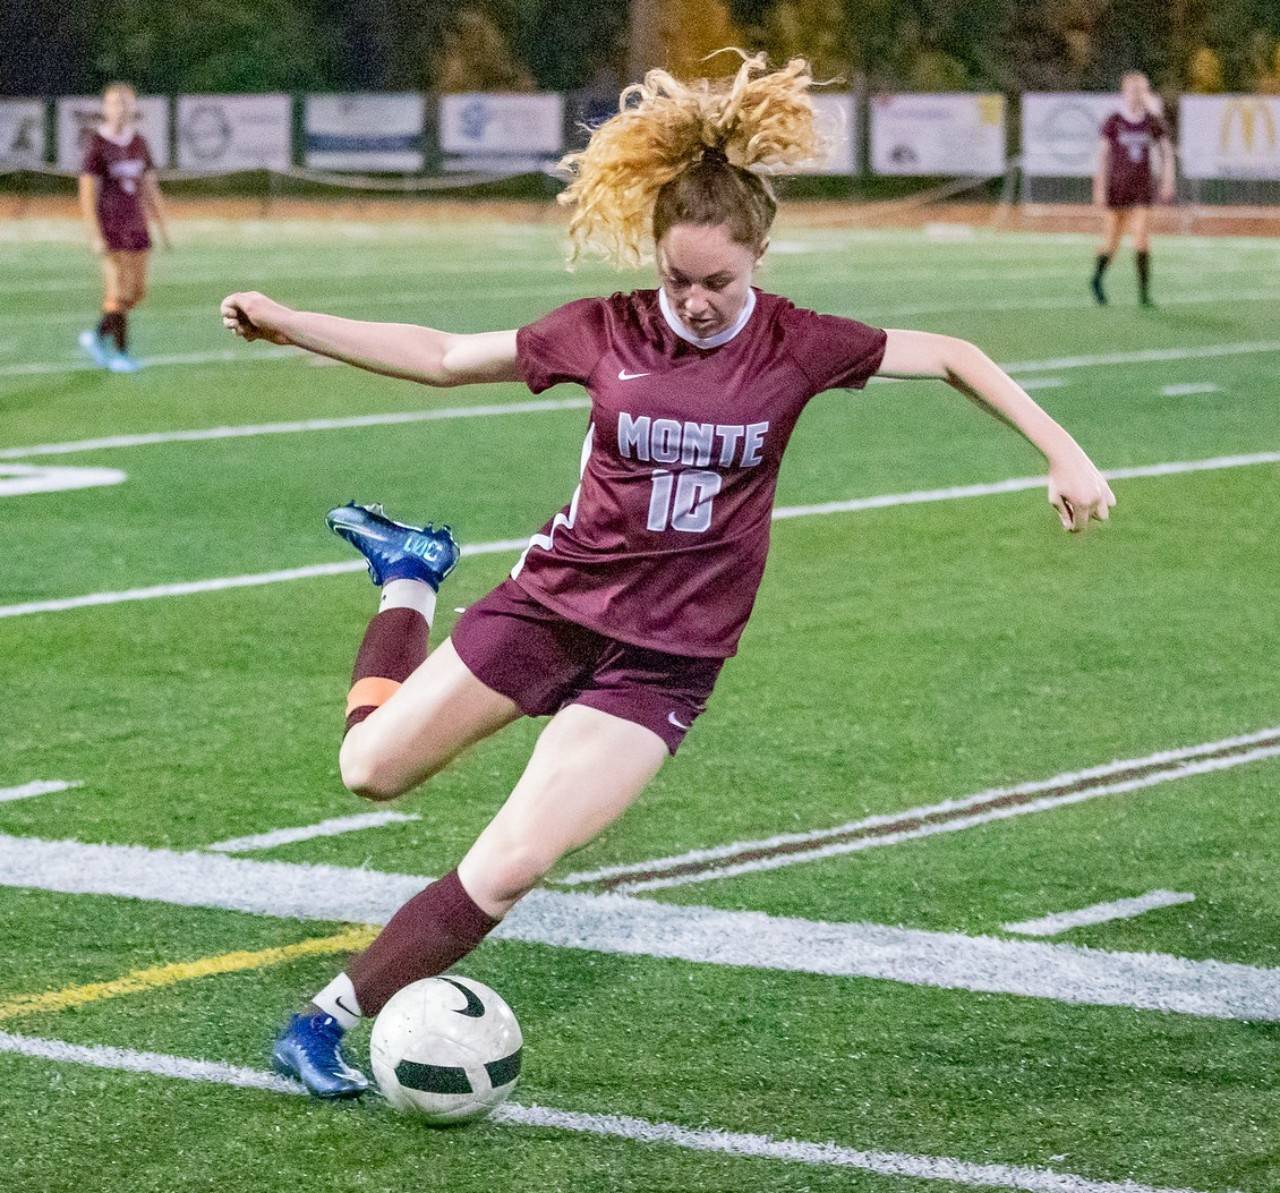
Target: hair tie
{"type": "Point", "coordinates": [714, 154]}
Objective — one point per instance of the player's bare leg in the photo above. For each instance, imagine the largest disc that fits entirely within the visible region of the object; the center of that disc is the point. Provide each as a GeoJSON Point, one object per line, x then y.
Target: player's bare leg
{"type": "Point", "coordinates": [586, 770]}
{"type": "Point", "coordinates": [1113, 229]}
{"type": "Point", "coordinates": [1140, 229]}
{"type": "Point", "coordinates": [433, 716]}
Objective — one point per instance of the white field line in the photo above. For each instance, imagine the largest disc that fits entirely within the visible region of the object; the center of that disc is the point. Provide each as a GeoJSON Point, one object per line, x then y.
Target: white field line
{"type": "Point", "coordinates": [500, 409]}
{"type": "Point", "coordinates": [334, 827]}
{"type": "Point", "coordinates": [1099, 913]}
{"type": "Point", "coordinates": [266, 354]}
{"type": "Point", "coordinates": [253, 430]}
{"type": "Point", "coordinates": [841, 848]}
{"type": "Point", "coordinates": [815, 836]}
{"type": "Point", "coordinates": [220, 583]}
{"type": "Point", "coordinates": [36, 787]}
{"type": "Point", "coordinates": [1190, 389]}
{"type": "Point", "coordinates": [612, 1126]}
{"type": "Point", "coordinates": [21, 480]}
{"type": "Point", "coordinates": [286, 271]}
{"type": "Point", "coordinates": [854, 505]}
{"type": "Point", "coordinates": [619, 925]}
{"type": "Point", "coordinates": [869, 304]}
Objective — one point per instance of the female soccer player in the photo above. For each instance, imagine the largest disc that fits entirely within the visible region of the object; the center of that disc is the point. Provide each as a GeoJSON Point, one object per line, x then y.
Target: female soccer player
{"type": "Point", "coordinates": [1122, 182]}
{"type": "Point", "coordinates": [118, 190]}
{"type": "Point", "coordinates": [617, 618]}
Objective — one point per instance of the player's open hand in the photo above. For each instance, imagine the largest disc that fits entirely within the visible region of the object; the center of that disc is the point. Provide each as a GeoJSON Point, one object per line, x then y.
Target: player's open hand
{"type": "Point", "coordinates": [1078, 491]}
{"type": "Point", "coordinates": [254, 316]}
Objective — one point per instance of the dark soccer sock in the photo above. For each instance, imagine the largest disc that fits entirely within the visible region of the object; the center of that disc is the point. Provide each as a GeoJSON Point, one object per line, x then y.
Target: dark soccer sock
{"type": "Point", "coordinates": [1100, 267]}
{"type": "Point", "coordinates": [1144, 275]}
{"type": "Point", "coordinates": [394, 646]}
{"type": "Point", "coordinates": [437, 927]}
{"type": "Point", "coordinates": [122, 331]}
{"type": "Point", "coordinates": [112, 324]}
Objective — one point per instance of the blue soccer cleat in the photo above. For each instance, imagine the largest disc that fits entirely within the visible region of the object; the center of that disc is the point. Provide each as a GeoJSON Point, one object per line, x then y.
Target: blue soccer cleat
{"type": "Point", "coordinates": [393, 550]}
{"type": "Point", "coordinates": [94, 348]}
{"type": "Point", "coordinates": [310, 1049]}
{"type": "Point", "coordinates": [122, 362]}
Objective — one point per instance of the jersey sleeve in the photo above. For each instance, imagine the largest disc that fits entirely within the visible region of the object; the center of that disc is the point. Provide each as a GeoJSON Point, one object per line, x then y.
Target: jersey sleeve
{"type": "Point", "coordinates": [1159, 129]}
{"type": "Point", "coordinates": [833, 352]}
{"type": "Point", "coordinates": [1107, 129]}
{"type": "Point", "coordinates": [91, 162]}
{"type": "Point", "coordinates": [564, 345]}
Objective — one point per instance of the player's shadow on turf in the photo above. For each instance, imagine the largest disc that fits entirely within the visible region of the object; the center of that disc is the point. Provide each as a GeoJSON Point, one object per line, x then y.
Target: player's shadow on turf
{"type": "Point", "coordinates": [36, 395]}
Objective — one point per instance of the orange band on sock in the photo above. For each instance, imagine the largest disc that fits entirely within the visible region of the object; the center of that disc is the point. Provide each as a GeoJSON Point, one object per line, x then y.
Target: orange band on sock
{"type": "Point", "coordinates": [371, 692]}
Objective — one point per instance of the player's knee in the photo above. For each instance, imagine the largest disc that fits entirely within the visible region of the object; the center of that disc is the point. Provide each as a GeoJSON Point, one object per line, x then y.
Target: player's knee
{"type": "Point", "coordinates": [366, 775]}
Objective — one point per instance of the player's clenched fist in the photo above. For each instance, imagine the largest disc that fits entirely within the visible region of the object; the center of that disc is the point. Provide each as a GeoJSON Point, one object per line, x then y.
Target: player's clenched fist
{"type": "Point", "coordinates": [1078, 491]}
{"type": "Point", "coordinates": [254, 316]}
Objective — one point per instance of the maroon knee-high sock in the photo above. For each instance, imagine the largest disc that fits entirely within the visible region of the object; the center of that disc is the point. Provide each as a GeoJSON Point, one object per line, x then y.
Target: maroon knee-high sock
{"type": "Point", "coordinates": [394, 645]}
{"type": "Point", "coordinates": [437, 927]}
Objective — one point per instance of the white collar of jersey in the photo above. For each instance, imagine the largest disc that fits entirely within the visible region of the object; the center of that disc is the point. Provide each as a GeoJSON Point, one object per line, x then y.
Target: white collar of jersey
{"type": "Point", "coordinates": [121, 139]}
{"type": "Point", "coordinates": [721, 337]}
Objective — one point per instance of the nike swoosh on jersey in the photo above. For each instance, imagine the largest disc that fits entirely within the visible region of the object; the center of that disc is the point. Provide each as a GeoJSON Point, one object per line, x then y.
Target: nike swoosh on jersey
{"type": "Point", "coordinates": [671, 717]}
{"type": "Point", "coordinates": [623, 375]}
{"type": "Point", "coordinates": [474, 1008]}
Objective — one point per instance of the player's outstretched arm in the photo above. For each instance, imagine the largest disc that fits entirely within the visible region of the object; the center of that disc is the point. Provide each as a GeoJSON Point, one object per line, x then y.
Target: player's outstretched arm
{"type": "Point", "coordinates": [1077, 490]}
{"type": "Point", "coordinates": [89, 187]}
{"type": "Point", "coordinates": [402, 350]}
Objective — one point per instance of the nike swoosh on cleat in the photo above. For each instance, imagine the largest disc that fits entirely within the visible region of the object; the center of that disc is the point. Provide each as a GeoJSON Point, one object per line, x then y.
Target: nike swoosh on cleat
{"type": "Point", "coordinates": [671, 717]}
{"type": "Point", "coordinates": [623, 375]}
{"type": "Point", "coordinates": [343, 1005]}
{"type": "Point", "coordinates": [474, 1008]}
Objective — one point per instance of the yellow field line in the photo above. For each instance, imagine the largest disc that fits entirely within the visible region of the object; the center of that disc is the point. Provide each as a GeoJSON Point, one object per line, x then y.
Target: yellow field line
{"type": "Point", "coordinates": [349, 940]}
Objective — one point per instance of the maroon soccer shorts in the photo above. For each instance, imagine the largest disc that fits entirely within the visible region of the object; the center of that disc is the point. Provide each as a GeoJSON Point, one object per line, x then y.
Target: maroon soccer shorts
{"type": "Point", "coordinates": [545, 662]}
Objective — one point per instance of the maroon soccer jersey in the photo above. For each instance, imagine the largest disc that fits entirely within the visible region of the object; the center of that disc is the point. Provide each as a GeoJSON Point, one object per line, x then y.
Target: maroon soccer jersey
{"type": "Point", "coordinates": [663, 545]}
{"type": "Point", "coordinates": [1129, 166]}
{"type": "Point", "coordinates": [120, 164]}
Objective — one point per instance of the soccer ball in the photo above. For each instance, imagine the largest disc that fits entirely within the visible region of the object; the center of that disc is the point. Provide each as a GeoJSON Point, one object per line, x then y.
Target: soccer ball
{"type": "Point", "coordinates": [447, 1049]}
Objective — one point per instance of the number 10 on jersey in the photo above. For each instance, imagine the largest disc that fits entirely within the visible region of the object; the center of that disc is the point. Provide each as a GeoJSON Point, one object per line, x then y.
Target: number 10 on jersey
{"type": "Point", "coordinates": [682, 501]}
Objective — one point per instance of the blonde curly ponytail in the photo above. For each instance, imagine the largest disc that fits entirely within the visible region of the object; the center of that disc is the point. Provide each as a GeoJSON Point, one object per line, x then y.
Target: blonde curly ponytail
{"type": "Point", "coordinates": [690, 152]}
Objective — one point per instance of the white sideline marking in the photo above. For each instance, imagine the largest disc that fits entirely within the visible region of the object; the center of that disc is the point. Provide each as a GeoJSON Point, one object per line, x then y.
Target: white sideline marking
{"type": "Point", "coordinates": [255, 580]}
{"type": "Point", "coordinates": [1190, 389]}
{"type": "Point", "coordinates": [612, 1126]}
{"type": "Point", "coordinates": [854, 505]}
{"type": "Point", "coordinates": [1183, 771]}
{"type": "Point", "coordinates": [36, 787]}
{"type": "Point", "coordinates": [621, 925]}
{"type": "Point", "coordinates": [499, 409]}
{"type": "Point", "coordinates": [21, 480]}
{"type": "Point", "coordinates": [252, 430]}
{"type": "Point", "coordinates": [1159, 758]}
{"type": "Point", "coordinates": [1099, 913]}
{"type": "Point", "coordinates": [333, 827]}
{"type": "Point", "coordinates": [225, 356]}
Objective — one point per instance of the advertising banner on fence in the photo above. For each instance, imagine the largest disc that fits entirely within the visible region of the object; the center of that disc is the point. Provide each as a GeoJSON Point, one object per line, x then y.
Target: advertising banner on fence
{"type": "Point", "coordinates": [949, 133]}
{"type": "Point", "coordinates": [79, 115]}
{"type": "Point", "coordinates": [836, 115]}
{"type": "Point", "coordinates": [1060, 131]}
{"type": "Point", "coordinates": [488, 130]}
{"type": "Point", "coordinates": [234, 132]}
{"type": "Point", "coordinates": [21, 133]}
{"type": "Point", "coordinates": [1229, 136]}
{"type": "Point", "coordinates": [365, 132]}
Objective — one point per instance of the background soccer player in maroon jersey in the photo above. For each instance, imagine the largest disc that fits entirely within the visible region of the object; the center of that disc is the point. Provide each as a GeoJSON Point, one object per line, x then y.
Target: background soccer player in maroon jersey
{"type": "Point", "coordinates": [618, 616]}
{"type": "Point", "coordinates": [1132, 139]}
{"type": "Point", "coordinates": [118, 191]}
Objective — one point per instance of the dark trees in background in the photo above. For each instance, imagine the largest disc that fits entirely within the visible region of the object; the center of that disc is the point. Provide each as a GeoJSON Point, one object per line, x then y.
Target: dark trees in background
{"type": "Point", "coordinates": [70, 46]}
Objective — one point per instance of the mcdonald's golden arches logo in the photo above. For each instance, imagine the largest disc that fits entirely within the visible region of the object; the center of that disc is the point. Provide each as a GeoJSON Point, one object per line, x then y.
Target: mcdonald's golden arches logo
{"type": "Point", "coordinates": [1257, 123]}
